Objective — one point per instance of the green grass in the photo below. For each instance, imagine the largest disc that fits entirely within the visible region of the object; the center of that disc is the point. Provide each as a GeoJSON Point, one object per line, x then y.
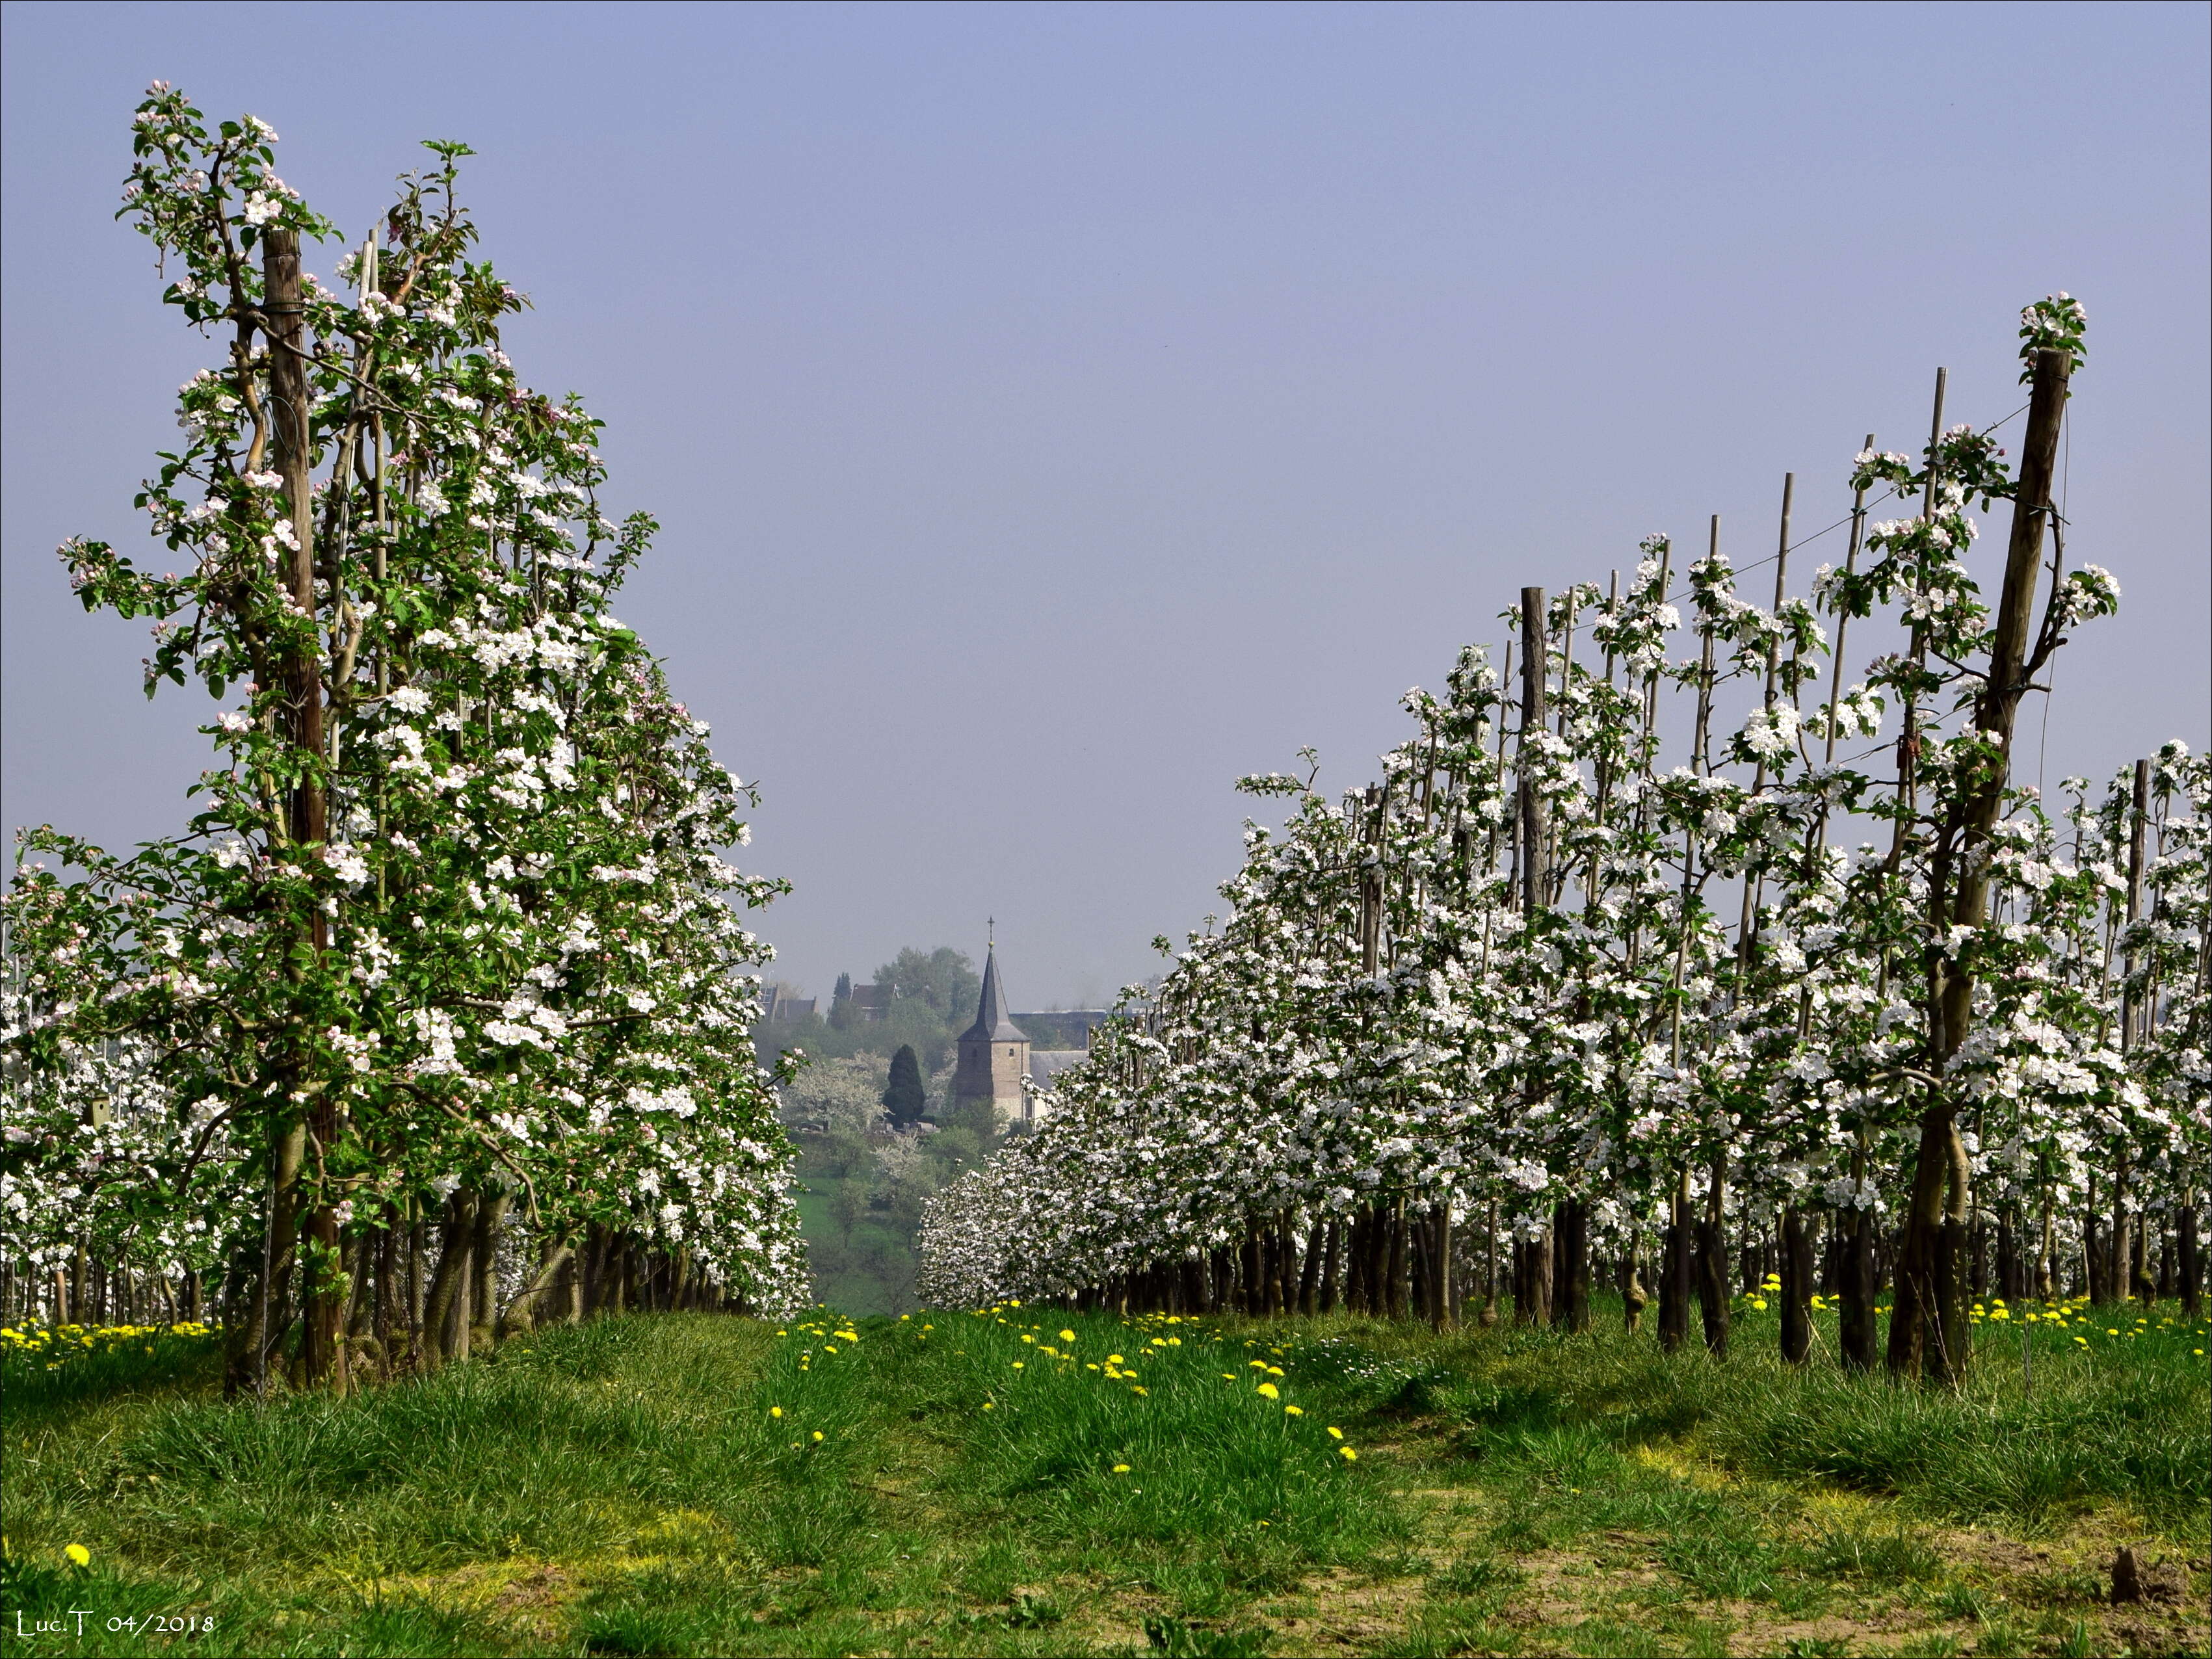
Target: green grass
{"type": "Point", "coordinates": [701, 1485]}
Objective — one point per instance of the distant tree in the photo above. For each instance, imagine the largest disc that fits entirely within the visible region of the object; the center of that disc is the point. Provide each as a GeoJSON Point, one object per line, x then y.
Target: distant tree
{"type": "Point", "coordinates": [943, 978]}
{"type": "Point", "coordinates": [836, 1096]}
{"type": "Point", "coordinates": [905, 1098]}
{"type": "Point", "coordinates": [844, 988]}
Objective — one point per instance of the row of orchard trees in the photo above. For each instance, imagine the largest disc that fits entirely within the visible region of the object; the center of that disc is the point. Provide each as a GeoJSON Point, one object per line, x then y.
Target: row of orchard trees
{"type": "Point", "coordinates": [447, 960]}
{"type": "Point", "coordinates": [1547, 988]}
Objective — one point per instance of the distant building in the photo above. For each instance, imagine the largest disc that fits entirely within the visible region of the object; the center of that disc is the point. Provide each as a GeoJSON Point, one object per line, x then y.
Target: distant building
{"type": "Point", "coordinates": [995, 1054]}
{"type": "Point", "coordinates": [870, 1002]}
{"type": "Point", "coordinates": [776, 1005]}
{"type": "Point", "coordinates": [1064, 1030]}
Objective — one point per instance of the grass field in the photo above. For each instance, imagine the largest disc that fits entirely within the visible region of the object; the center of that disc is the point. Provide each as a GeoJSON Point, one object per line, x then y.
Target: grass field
{"type": "Point", "coordinates": [1030, 1482]}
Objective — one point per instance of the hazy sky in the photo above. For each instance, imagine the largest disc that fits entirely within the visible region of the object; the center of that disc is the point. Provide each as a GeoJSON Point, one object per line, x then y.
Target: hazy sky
{"type": "Point", "coordinates": [1055, 411]}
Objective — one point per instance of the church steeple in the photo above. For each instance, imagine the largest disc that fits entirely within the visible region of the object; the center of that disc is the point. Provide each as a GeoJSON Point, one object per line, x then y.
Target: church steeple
{"type": "Point", "coordinates": [992, 1023]}
{"type": "Point", "coordinates": [995, 1053]}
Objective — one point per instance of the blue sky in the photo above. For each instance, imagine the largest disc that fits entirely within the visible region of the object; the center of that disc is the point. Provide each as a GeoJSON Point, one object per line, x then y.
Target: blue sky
{"type": "Point", "coordinates": [1055, 411]}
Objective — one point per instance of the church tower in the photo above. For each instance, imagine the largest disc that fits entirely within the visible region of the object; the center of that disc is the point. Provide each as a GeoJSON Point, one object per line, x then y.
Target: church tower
{"type": "Point", "coordinates": [995, 1053]}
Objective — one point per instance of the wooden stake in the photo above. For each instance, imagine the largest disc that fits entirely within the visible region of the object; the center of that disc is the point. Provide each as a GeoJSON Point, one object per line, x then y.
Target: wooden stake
{"type": "Point", "coordinates": [1535, 877]}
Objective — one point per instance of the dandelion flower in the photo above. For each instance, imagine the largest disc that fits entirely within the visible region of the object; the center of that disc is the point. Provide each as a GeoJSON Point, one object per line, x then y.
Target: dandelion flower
{"type": "Point", "coordinates": [775, 1411]}
{"type": "Point", "coordinates": [1067, 1336]}
{"type": "Point", "coordinates": [1335, 1433]}
{"type": "Point", "coordinates": [1294, 1411]}
{"type": "Point", "coordinates": [1271, 1391]}
{"type": "Point", "coordinates": [818, 1434]}
{"type": "Point", "coordinates": [1349, 1456]}
{"type": "Point", "coordinates": [1121, 1468]}
{"type": "Point", "coordinates": [78, 1553]}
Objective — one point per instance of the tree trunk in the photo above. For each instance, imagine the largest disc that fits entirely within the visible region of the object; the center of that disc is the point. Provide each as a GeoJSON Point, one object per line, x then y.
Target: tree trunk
{"type": "Point", "coordinates": [1796, 1271]}
{"type": "Point", "coordinates": [1915, 1307]}
{"type": "Point", "coordinates": [2187, 1263]}
{"type": "Point", "coordinates": [1712, 1262]}
{"type": "Point", "coordinates": [483, 1300]}
{"type": "Point", "coordinates": [1674, 1277]}
{"type": "Point", "coordinates": [1571, 1266]}
{"type": "Point", "coordinates": [1440, 1221]}
{"type": "Point", "coordinates": [323, 1293]}
{"type": "Point", "coordinates": [270, 1309]}
{"type": "Point", "coordinates": [1860, 1287]}
{"type": "Point", "coordinates": [1399, 1268]}
{"type": "Point", "coordinates": [1713, 1285]}
{"type": "Point", "coordinates": [449, 1285]}
{"type": "Point", "coordinates": [1320, 1237]}
{"type": "Point", "coordinates": [1928, 1290]}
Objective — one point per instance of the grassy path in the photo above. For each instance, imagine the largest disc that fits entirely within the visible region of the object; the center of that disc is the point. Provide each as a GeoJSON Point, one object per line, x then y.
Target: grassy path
{"type": "Point", "coordinates": [1027, 1482]}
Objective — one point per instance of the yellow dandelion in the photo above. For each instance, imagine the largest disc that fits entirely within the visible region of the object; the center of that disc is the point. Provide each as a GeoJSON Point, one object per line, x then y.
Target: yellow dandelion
{"type": "Point", "coordinates": [775, 1411]}
{"type": "Point", "coordinates": [818, 1434]}
{"type": "Point", "coordinates": [78, 1553]}
{"type": "Point", "coordinates": [1271, 1391]}
{"type": "Point", "coordinates": [1294, 1411]}
{"type": "Point", "coordinates": [1018, 1364]}
{"type": "Point", "coordinates": [1349, 1455]}
{"type": "Point", "coordinates": [1335, 1433]}
{"type": "Point", "coordinates": [1121, 1468]}
{"type": "Point", "coordinates": [1067, 1336]}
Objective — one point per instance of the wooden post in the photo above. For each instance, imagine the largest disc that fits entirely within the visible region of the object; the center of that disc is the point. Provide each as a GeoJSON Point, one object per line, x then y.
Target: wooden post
{"type": "Point", "coordinates": [1535, 878]}
{"type": "Point", "coordinates": [1908, 742]}
{"type": "Point", "coordinates": [2122, 1274]}
{"type": "Point", "coordinates": [1747, 923]}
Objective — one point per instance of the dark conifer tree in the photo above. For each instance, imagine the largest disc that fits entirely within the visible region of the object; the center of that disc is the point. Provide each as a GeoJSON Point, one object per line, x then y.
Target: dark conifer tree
{"type": "Point", "coordinates": [906, 1098]}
